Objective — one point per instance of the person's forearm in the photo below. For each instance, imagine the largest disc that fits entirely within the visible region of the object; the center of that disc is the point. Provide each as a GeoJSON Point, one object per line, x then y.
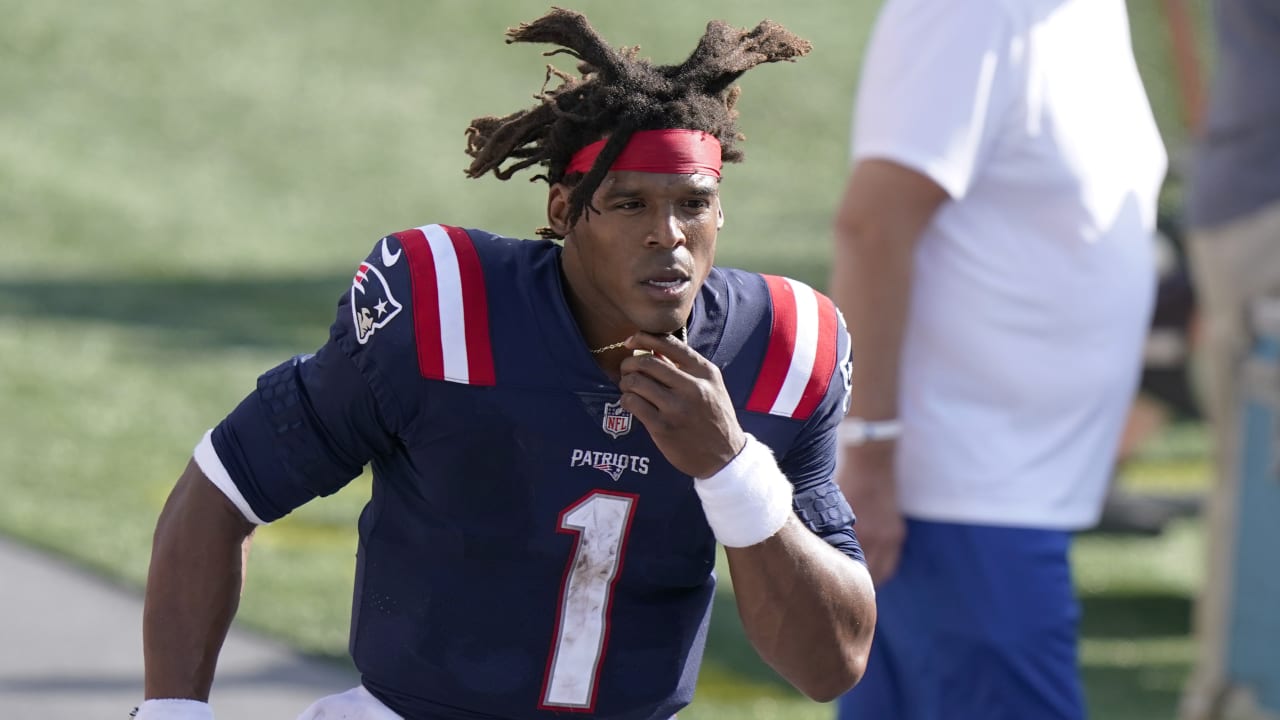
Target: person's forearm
{"type": "Point", "coordinates": [878, 224]}
{"type": "Point", "coordinates": [808, 610]}
{"type": "Point", "coordinates": [193, 588]}
{"type": "Point", "coordinates": [871, 284]}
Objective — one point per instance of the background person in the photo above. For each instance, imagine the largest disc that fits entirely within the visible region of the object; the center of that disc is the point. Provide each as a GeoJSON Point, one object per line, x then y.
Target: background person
{"type": "Point", "coordinates": [1233, 214]}
{"type": "Point", "coordinates": [993, 258]}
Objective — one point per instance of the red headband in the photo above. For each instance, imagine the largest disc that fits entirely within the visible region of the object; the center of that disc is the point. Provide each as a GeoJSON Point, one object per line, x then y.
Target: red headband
{"type": "Point", "coordinates": [658, 151]}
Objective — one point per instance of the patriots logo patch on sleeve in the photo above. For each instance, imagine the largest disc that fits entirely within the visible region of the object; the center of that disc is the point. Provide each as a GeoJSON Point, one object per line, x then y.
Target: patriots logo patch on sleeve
{"type": "Point", "coordinates": [372, 305]}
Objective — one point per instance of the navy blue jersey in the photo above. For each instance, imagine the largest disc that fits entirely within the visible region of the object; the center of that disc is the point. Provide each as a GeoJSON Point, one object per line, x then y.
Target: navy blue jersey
{"type": "Point", "coordinates": [527, 550]}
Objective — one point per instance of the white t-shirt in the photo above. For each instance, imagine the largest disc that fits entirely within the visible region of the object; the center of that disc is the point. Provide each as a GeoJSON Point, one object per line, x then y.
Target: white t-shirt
{"type": "Point", "coordinates": [1033, 286]}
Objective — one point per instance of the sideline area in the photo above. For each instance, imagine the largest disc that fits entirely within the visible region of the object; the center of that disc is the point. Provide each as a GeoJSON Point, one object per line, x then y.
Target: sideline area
{"type": "Point", "coordinates": [71, 648]}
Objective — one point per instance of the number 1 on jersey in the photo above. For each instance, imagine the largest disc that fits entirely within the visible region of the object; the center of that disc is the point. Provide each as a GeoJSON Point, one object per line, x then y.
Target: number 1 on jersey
{"type": "Point", "coordinates": [601, 521]}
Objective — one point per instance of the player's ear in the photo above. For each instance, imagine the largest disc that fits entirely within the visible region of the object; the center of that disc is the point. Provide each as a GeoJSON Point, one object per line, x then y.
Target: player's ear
{"type": "Point", "coordinates": [719, 216]}
{"type": "Point", "coordinates": [558, 208]}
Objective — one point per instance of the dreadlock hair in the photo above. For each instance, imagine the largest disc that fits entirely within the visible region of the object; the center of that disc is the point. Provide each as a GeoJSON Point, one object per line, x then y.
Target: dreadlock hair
{"type": "Point", "coordinates": [617, 94]}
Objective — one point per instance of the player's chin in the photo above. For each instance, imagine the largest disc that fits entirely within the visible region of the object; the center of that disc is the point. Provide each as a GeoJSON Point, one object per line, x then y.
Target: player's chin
{"type": "Point", "coordinates": [660, 313]}
{"type": "Point", "coordinates": [663, 321]}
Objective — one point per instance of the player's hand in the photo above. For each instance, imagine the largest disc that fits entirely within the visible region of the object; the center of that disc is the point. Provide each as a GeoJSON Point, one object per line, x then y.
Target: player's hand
{"type": "Point", "coordinates": [867, 478]}
{"type": "Point", "coordinates": [680, 398]}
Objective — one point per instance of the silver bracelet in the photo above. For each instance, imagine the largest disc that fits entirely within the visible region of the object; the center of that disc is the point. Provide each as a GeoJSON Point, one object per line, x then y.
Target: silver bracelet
{"type": "Point", "coordinates": [857, 431]}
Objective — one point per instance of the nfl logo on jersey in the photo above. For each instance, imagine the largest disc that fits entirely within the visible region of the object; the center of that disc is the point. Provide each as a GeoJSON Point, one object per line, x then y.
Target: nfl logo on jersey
{"type": "Point", "coordinates": [617, 421]}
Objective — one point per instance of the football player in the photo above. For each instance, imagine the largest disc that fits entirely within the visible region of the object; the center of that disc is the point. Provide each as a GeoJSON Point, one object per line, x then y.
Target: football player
{"type": "Point", "coordinates": [560, 432]}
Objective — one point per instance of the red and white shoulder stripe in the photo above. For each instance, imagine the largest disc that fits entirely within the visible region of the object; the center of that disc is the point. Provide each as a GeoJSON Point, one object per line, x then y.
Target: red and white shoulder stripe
{"type": "Point", "coordinates": [801, 357]}
{"type": "Point", "coordinates": [450, 307]}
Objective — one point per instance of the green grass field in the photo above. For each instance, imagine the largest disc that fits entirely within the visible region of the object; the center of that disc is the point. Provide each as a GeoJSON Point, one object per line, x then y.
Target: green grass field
{"type": "Point", "coordinates": [185, 189]}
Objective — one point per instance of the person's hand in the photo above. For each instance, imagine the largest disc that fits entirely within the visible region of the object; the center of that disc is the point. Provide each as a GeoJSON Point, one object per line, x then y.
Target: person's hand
{"type": "Point", "coordinates": [867, 478]}
{"type": "Point", "coordinates": [680, 398]}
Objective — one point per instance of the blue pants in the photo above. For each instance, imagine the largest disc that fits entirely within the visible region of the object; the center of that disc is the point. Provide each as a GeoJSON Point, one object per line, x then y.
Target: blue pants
{"type": "Point", "coordinates": [979, 623]}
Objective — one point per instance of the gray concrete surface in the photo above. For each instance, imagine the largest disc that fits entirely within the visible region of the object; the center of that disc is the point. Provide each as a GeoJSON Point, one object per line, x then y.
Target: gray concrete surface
{"type": "Point", "coordinates": [71, 649]}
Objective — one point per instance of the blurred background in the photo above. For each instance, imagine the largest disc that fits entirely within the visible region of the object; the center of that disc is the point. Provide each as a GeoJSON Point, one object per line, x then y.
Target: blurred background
{"type": "Point", "coordinates": [186, 186]}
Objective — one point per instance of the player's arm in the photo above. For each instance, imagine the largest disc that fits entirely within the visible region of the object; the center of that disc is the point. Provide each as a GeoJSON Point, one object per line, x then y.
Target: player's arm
{"type": "Point", "coordinates": [193, 587]}
{"type": "Point", "coordinates": [807, 608]}
{"type": "Point", "coordinates": [308, 429]}
{"type": "Point", "coordinates": [885, 208]}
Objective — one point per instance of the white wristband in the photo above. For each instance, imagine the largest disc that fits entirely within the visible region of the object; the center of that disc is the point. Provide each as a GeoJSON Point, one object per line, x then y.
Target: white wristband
{"type": "Point", "coordinates": [857, 431]}
{"type": "Point", "coordinates": [173, 709]}
{"type": "Point", "coordinates": [749, 500]}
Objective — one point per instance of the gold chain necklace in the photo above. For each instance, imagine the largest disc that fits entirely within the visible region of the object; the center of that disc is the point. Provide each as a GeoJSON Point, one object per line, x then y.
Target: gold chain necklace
{"type": "Point", "coordinates": [683, 338]}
